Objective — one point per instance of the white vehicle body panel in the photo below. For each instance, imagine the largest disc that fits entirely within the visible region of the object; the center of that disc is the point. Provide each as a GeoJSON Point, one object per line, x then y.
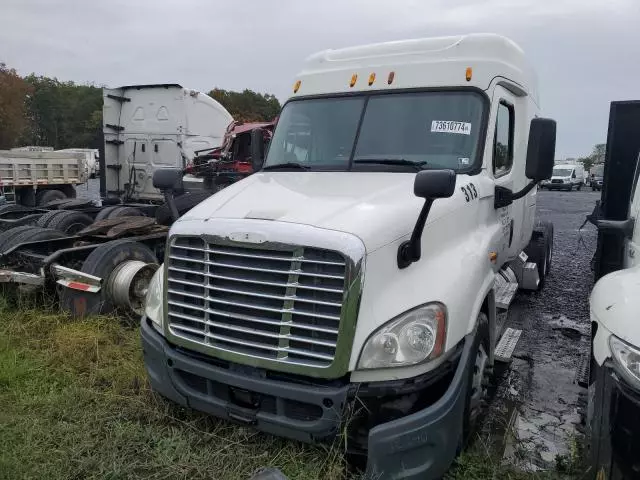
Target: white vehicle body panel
{"type": "Point", "coordinates": [381, 209]}
{"type": "Point", "coordinates": [159, 126]}
{"type": "Point", "coordinates": [615, 299]}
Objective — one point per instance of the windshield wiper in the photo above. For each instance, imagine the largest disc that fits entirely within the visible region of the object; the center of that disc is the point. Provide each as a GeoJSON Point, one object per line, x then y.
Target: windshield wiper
{"type": "Point", "coordinates": [279, 166]}
{"type": "Point", "coordinates": [391, 161]}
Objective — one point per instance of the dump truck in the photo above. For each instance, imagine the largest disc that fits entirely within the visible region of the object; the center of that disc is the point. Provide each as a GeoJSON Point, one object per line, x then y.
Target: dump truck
{"type": "Point", "coordinates": [358, 284]}
{"type": "Point", "coordinates": [35, 177]}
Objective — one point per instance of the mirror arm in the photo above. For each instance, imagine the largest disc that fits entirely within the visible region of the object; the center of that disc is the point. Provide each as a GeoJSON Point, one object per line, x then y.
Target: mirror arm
{"type": "Point", "coordinates": [524, 191]}
{"type": "Point", "coordinates": [409, 251]}
{"type": "Point", "coordinates": [170, 200]}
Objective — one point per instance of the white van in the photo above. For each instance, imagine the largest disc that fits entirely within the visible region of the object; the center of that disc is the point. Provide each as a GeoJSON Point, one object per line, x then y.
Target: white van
{"type": "Point", "coordinates": [566, 177]}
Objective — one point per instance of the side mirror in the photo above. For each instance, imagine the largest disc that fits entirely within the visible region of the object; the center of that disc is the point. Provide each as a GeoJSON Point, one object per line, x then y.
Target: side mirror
{"type": "Point", "coordinates": [620, 227]}
{"type": "Point", "coordinates": [541, 149]}
{"type": "Point", "coordinates": [257, 149]}
{"type": "Point", "coordinates": [168, 179]}
{"type": "Point", "coordinates": [169, 182]}
{"type": "Point", "coordinates": [430, 185]}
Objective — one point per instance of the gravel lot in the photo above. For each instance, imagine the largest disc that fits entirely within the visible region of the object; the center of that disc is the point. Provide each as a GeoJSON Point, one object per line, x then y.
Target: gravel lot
{"type": "Point", "coordinates": [536, 411]}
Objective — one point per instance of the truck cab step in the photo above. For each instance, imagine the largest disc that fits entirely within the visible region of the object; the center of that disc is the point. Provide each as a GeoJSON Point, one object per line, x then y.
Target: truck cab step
{"type": "Point", "coordinates": [506, 288]}
{"type": "Point", "coordinates": [582, 371]}
{"type": "Point", "coordinates": [507, 344]}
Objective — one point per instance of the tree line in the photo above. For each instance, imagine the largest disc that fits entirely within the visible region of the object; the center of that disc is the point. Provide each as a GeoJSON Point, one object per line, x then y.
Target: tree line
{"type": "Point", "coordinates": [43, 111]}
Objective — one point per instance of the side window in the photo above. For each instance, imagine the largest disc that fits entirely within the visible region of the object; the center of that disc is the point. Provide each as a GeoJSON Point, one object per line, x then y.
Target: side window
{"type": "Point", "coordinates": [503, 140]}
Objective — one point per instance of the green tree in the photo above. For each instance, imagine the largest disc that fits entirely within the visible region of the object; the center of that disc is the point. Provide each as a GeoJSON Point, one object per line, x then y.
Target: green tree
{"type": "Point", "coordinates": [248, 106]}
{"type": "Point", "coordinates": [63, 114]}
{"type": "Point", "coordinates": [13, 118]}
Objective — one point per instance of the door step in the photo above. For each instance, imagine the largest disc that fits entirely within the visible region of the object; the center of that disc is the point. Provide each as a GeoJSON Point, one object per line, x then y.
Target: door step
{"type": "Point", "coordinates": [507, 345]}
{"type": "Point", "coordinates": [582, 372]}
{"type": "Point", "coordinates": [506, 290]}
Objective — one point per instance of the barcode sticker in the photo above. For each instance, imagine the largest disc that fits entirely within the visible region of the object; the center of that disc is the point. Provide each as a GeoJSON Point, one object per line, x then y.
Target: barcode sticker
{"type": "Point", "coordinates": [449, 126]}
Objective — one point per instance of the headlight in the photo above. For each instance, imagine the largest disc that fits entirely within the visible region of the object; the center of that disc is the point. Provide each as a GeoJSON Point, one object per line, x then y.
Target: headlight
{"type": "Point", "coordinates": [628, 358]}
{"type": "Point", "coordinates": [153, 308]}
{"type": "Point", "coordinates": [413, 337]}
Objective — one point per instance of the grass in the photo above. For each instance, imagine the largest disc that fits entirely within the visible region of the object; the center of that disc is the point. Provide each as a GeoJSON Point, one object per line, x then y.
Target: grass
{"type": "Point", "coordinates": [75, 404]}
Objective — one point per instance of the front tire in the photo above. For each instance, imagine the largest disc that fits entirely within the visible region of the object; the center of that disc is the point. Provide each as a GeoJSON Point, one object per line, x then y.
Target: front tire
{"type": "Point", "coordinates": [477, 379]}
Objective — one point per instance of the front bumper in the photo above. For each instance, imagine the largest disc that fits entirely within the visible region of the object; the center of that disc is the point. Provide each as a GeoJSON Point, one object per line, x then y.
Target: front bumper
{"type": "Point", "coordinates": [420, 445]}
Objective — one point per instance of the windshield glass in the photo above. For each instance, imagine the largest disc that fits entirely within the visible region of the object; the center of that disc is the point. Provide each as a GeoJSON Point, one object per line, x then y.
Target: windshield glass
{"type": "Point", "coordinates": [562, 172]}
{"type": "Point", "coordinates": [429, 129]}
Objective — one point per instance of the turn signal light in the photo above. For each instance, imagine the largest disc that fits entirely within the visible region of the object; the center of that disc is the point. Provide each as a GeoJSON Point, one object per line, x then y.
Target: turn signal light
{"type": "Point", "coordinates": [391, 77]}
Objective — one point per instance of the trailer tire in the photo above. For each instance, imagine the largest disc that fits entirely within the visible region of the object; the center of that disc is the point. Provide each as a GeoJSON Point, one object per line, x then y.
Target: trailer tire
{"type": "Point", "coordinates": [49, 196]}
{"type": "Point", "coordinates": [184, 203]}
{"type": "Point", "coordinates": [477, 380]}
{"type": "Point", "coordinates": [101, 263]}
{"type": "Point", "coordinates": [69, 221]}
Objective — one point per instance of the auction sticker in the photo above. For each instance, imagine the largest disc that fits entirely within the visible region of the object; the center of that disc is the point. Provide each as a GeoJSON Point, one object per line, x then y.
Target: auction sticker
{"type": "Point", "coordinates": [448, 126]}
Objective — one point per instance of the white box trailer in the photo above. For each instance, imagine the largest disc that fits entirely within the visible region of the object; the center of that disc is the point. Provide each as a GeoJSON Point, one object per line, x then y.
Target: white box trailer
{"type": "Point", "coordinates": [147, 127]}
{"type": "Point", "coordinates": [31, 177]}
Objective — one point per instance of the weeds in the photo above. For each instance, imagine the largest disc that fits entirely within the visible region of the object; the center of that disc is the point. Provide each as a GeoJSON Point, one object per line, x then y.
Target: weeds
{"type": "Point", "coordinates": [75, 404]}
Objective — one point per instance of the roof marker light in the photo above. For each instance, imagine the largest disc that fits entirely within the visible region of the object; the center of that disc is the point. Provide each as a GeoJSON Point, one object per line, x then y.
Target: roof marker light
{"type": "Point", "coordinates": [354, 78]}
{"type": "Point", "coordinates": [372, 78]}
{"type": "Point", "coordinates": [468, 74]}
{"type": "Point", "coordinates": [296, 86]}
{"type": "Point", "coordinates": [391, 77]}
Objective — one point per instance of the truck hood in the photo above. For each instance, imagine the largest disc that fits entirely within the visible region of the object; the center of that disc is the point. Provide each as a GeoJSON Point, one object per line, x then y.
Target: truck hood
{"type": "Point", "coordinates": [378, 207]}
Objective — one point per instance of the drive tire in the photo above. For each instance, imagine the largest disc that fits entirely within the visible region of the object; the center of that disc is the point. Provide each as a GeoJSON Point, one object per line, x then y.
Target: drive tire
{"type": "Point", "coordinates": [29, 234]}
{"type": "Point", "coordinates": [579, 187]}
{"type": "Point", "coordinates": [67, 221]}
{"type": "Point", "coordinates": [477, 379]}
{"type": "Point", "coordinates": [184, 203]}
{"type": "Point", "coordinates": [125, 212]}
{"type": "Point", "coordinates": [45, 196]}
{"type": "Point", "coordinates": [12, 207]}
{"type": "Point", "coordinates": [8, 235]}
{"type": "Point", "coordinates": [101, 263]}
{"type": "Point", "coordinates": [105, 212]}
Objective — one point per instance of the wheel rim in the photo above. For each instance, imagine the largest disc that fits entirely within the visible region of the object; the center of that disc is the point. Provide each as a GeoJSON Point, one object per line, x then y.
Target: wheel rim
{"type": "Point", "coordinates": [478, 391]}
{"type": "Point", "coordinates": [128, 284]}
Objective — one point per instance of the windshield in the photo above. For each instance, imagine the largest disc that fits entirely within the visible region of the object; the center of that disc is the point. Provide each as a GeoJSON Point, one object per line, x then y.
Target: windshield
{"type": "Point", "coordinates": [562, 172]}
{"type": "Point", "coordinates": [425, 129]}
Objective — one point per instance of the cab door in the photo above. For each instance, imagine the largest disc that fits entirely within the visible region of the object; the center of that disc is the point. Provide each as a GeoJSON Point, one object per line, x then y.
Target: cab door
{"type": "Point", "coordinates": [507, 158]}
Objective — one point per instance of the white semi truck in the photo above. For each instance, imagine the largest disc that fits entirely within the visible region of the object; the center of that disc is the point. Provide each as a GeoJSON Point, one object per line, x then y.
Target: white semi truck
{"type": "Point", "coordinates": [358, 283]}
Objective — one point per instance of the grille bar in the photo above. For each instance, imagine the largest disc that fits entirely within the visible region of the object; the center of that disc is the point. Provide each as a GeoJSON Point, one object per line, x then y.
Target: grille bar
{"type": "Point", "coordinates": [283, 303]}
{"type": "Point", "coordinates": [261, 346]}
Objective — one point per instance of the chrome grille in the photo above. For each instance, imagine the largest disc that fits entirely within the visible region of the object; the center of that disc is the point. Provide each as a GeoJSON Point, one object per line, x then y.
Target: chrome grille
{"type": "Point", "coordinates": [282, 305]}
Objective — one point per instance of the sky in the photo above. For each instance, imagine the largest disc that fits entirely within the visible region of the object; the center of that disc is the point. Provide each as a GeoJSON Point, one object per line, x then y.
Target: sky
{"type": "Point", "coordinates": [586, 52]}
